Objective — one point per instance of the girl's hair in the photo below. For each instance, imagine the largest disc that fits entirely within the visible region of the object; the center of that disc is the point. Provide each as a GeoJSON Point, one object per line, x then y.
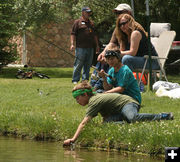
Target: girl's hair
{"type": "Point", "coordinates": [133, 25]}
{"type": "Point", "coordinates": [83, 85]}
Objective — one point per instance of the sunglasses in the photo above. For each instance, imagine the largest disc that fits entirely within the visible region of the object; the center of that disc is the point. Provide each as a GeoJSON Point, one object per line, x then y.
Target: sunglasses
{"type": "Point", "coordinates": [118, 12]}
{"type": "Point", "coordinates": [123, 23]}
{"type": "Point", "coordinates": [121, 12]}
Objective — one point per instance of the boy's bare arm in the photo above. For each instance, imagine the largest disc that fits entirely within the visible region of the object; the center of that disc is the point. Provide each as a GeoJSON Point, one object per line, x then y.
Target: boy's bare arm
{"type": "Point", "coordinates": [106, 86]}
{"type": "Point", "coordinates": [79, 129]}
{"type": "Point", "coordinates": [116, 90]}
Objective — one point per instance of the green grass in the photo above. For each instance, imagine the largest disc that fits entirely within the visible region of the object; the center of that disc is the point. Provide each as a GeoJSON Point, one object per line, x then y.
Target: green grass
{"type": "Point", "coordinates": [54, 114]}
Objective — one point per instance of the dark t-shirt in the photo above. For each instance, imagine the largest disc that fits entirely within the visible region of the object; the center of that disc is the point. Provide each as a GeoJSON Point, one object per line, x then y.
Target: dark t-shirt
{"type": "Point", "coordinates": [84, 32]}
{"type": "Point", "coordinates": [143, 46]}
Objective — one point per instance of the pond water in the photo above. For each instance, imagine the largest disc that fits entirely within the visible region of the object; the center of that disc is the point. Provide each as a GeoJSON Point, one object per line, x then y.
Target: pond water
{"type": "Point", "coordinates": [18, 150]}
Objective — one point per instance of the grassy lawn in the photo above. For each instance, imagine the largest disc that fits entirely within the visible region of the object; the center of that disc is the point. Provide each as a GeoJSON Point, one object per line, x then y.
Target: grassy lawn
{"type": "Point", "coordinates": [45, 109]}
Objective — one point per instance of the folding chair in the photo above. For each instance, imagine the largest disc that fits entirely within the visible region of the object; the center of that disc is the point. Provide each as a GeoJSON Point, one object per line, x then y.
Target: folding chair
{"type": "Point", "coordinates": [163, 46]}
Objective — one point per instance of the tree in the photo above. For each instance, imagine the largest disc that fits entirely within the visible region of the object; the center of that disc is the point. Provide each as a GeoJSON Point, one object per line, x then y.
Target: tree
{"type": "Point", "coordinates": [160, 11]}
{"type": "Point", "coordinates": [167, 11]}
{"type": "Point", "coordinates": [8, 52]}
{"type": "Point", "coordinates": [33, 14]}
{"type": "Point", "coordinates": [19, 15]}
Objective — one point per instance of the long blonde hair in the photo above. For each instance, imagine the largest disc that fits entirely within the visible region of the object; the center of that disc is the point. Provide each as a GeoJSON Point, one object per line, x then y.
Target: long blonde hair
{"type": "Point", "coordinates": [133, 25]}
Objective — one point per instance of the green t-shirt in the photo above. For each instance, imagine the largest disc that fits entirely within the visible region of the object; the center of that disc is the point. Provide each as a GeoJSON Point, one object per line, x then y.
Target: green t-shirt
{"type": "Point", "coordinates": [107, 104]}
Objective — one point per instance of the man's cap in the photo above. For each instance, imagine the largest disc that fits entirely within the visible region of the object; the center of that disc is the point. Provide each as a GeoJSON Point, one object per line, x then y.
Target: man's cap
{"type": "Point", "coordinates": [109, 53]}
{"type": "Point", "coordinates": [87, 9]}
{"type": "Point", "coordinates": [122, 7]}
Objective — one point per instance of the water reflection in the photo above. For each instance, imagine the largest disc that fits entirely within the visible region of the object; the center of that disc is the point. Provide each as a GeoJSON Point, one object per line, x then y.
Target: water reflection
{"type": "Point", "coordinates": [17, 150]}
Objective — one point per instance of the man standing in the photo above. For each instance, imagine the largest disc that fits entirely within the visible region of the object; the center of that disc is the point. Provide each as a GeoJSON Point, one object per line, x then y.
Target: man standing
{"type": "Point", "coordinates": [120, 9]}
{"type": "Point", "coordinates": [83, 33]}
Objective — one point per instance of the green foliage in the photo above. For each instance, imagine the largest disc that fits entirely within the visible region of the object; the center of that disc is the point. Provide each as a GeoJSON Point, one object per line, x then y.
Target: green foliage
{"type": "Point", "coordinates": [166, 11]}
{"type": "Point", "coordinates": [8, 30]}
{"type": "Point", "coordinates": [102, 15]}
{"type": "Point", "coordinates": [160, 11]}
{"type": "Point", "coordinates": [35, 13]}
{"type": "Point", "coordinates": [19, 15]}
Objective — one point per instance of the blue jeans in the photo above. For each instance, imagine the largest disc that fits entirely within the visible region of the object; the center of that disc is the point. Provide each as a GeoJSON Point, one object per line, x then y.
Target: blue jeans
{"type": "Point", "coordinates": [84, 57]}
{"type": "Point", "coordinates": [134, 62]}
{"type": "Point", "coordinates": [130, 114]}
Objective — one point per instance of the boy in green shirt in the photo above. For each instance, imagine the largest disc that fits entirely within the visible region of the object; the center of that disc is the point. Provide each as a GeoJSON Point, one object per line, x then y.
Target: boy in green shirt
{"type": "Point", "coordinates": [113, 107]}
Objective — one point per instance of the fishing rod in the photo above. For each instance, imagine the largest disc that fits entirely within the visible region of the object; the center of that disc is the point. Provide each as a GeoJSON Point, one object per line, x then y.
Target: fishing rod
{"type": "Point", "coordinates": [106, 74]}
{"type": "Point", "coordinates": [51, 43]}
{"type": "Point", "coordinates": [67, 52]}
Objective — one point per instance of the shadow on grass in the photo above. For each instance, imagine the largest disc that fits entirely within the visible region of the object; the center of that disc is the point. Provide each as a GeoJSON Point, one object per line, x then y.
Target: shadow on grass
{"type": "Point", "coordinates": [10, 72]}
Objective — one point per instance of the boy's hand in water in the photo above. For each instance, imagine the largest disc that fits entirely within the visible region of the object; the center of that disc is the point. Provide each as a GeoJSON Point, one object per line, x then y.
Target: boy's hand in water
{"type": "Point", "coordinates": [68, 142]}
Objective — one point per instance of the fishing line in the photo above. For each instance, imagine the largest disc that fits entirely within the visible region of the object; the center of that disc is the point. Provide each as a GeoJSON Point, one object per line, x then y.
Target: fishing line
{"type": "Point", "coordinates": [51, 43]}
